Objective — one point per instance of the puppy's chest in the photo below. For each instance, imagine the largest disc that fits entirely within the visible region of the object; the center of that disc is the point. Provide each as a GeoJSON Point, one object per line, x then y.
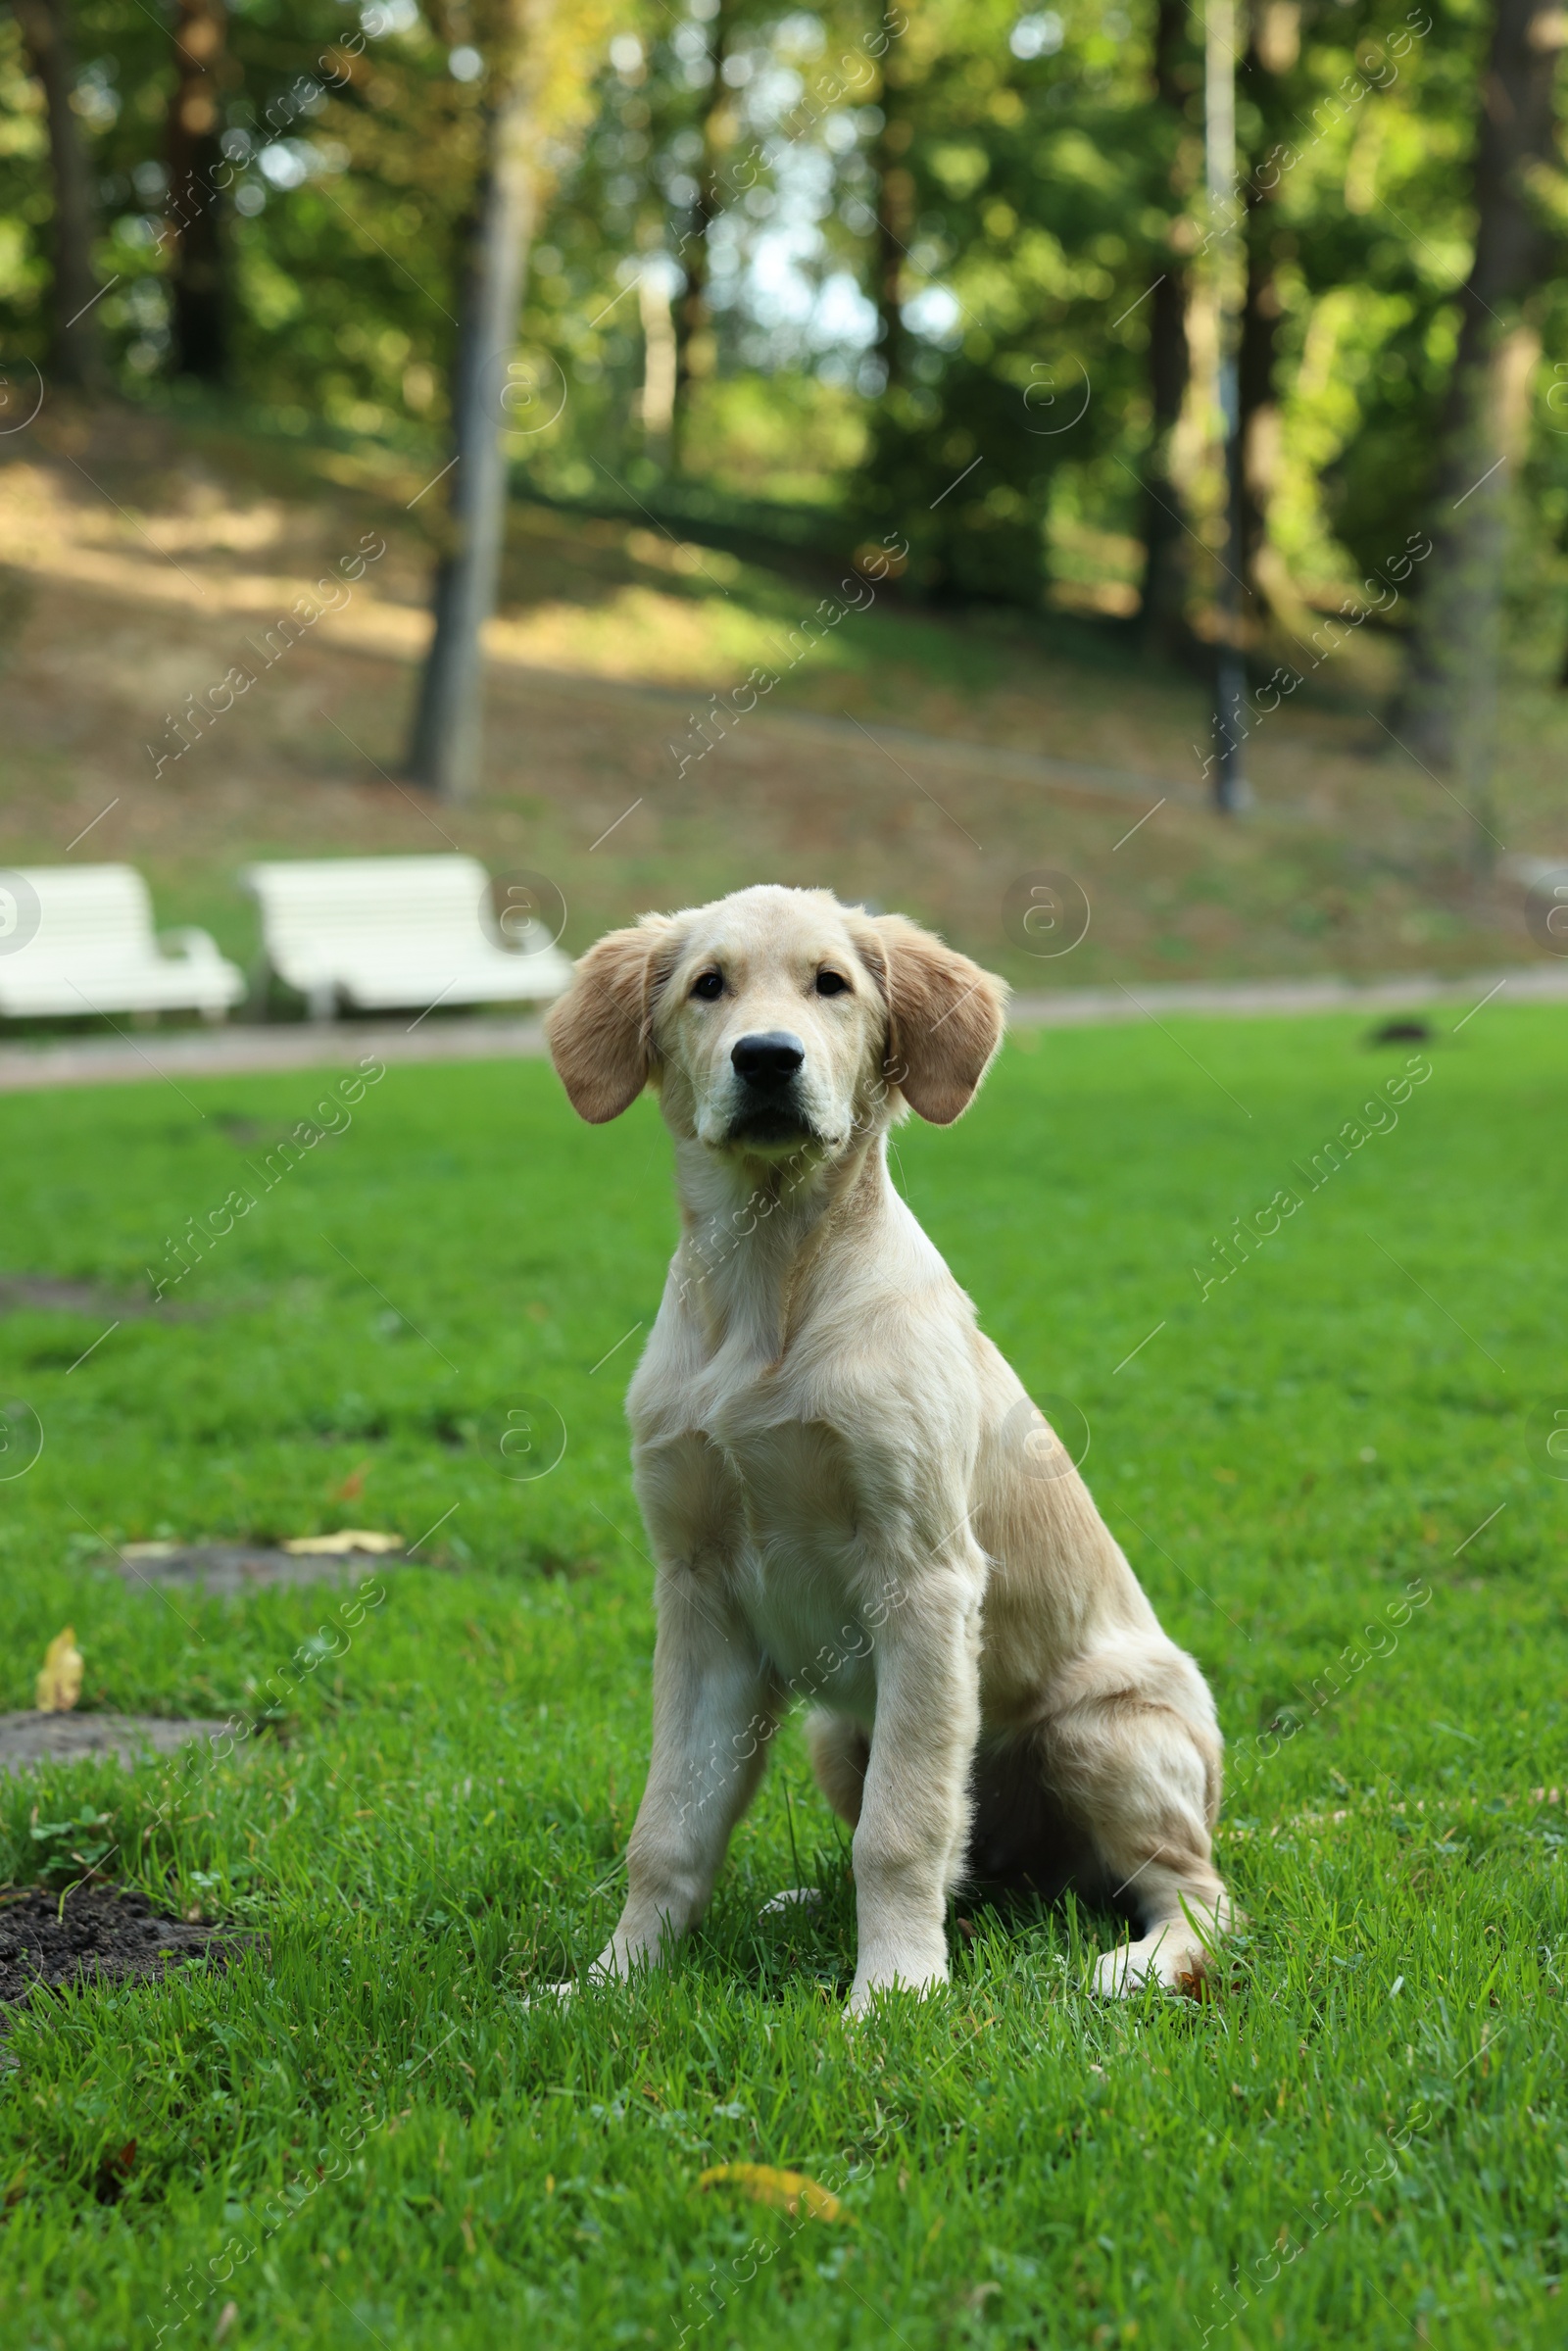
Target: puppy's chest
{"type": "Point", "coordinates": [778, 1514]}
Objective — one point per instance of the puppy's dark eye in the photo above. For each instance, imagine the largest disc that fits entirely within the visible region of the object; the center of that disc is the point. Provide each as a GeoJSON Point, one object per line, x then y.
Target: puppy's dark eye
{"type": "Point", "coordinates": [831, 983]}
{"type": "Point", "coordinates": [709, 986]}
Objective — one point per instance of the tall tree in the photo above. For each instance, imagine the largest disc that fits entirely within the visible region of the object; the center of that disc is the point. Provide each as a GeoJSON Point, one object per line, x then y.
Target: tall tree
{"type": "Point", "coordinates": [448, 725]}
{"type": "Point", "coordinates": [692, 323]}
{"type": "Point", "coordinates": [1162, 592]}
{"type": "Point", "coordinates": [895, 221]}
{"type": "Point", "coordinates": [75, 356]}
{"type": "Point", "coordinates": [538, 86]}
{"type": "Point", "coordinates": [661, 362]}
{"type": "Point", "coordinates": [198, 294]}
{"type": "Point", "coordinates": [1272, 50]}
{"type": "Point", "coordinates": [1449, 709]}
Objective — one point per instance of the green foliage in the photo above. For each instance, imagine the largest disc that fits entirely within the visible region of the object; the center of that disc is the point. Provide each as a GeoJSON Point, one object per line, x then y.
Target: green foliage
{"type": "Point", "coordinates": [1034, 187]}
{"type": "Point", "coordinates": [72, 1849]}
{"type": "Point", "coordinates": [1035, 228]}
{"type": "Point", "coordinates": [1359, 150]}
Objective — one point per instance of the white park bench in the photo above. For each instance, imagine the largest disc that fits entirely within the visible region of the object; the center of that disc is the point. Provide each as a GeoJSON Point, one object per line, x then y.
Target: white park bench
{"type": "Point", "coordinates": [80, 939]}
{"type": "Point", "coordinates": [379, 933]}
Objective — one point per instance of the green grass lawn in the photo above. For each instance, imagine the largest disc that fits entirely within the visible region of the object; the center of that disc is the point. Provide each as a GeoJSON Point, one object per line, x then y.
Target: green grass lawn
{"type": "Point", "coordinates": [362, 2134]}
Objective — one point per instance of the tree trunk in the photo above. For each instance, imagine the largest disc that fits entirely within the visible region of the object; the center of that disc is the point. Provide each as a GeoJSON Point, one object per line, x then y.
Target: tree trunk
{"type": "Point", "coordinates": [1231, 789]}
{"type": "Point", "coordinates": [689, 316]}
{"type": "Point", "coordinates": [75, 353]}
{"type": "Point", "coordinates": [1449, 703]}
{"type": "Point", "coordinates": [1163, 589]}
{"type": "Point", "coordinates": [1259, 410]}
{"type": "Point", "coordinates": [691, 319]}
{"type": "Point", "coordinates": [661, 366]}
{"type": "Point", "coordinates": [895, 226]}
{"type": "Point", "coordinates": [447, 745]}
{"type": "Point", "coordinates": [200, 321]}
{"type": "Point", "coordinates": [1271, 53]}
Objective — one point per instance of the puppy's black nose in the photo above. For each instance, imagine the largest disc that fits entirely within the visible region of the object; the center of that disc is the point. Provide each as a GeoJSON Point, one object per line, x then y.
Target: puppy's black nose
{"type": "Point", "coordinates": [768, 1061]}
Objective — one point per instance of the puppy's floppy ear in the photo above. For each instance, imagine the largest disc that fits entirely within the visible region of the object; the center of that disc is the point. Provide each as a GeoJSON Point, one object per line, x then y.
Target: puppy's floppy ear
{"type": "Point", "coordinates": [600, 1031]}
{"type": "Point", "coordinates": [944, 1018]}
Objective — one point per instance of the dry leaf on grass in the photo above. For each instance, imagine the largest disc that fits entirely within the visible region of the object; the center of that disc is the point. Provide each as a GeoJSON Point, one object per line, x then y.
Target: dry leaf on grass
{"type": "Point", "coordinates": [787, 2191]}
{"type": "Point", "coordinates": [59, 1685]}
{"type": "Point", "coordinates": [351, 1539]}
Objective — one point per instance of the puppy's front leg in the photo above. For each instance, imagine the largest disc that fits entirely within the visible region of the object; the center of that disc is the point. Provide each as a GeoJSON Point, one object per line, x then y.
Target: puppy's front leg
{"type": "Point", "coordinates": [714, 1711]}
{"type": "Point", "coordinates": [914, 1814]}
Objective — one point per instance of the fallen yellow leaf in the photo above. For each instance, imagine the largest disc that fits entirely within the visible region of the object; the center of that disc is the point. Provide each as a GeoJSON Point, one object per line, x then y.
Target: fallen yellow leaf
{"type": "Point", "coordinates": [351, 1539]}
{"type": "Point", "coordinates": [787, 2191]}
{"type": "Point", "coordinates": [60, 1684]}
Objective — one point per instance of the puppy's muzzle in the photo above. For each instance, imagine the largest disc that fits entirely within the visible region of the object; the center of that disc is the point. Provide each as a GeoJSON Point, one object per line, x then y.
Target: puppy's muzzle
{"type": "Point", "coordinates": [767, 1065]}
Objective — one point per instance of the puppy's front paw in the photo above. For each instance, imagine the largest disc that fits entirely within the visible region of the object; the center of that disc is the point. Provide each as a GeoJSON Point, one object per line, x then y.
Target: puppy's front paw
{"type": "Point", "coordinates": [550, 1995]}
{"type": "Point", "coordinates": [1118, 1974]}
{"type": "Point", "coordinates": [871, 1986]}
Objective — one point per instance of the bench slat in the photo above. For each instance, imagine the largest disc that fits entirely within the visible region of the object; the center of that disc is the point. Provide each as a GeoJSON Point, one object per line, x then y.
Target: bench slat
{"type": "Point", "coordinates": [397, 931]}
{"type": "Point", "coordinates": [80, 940]}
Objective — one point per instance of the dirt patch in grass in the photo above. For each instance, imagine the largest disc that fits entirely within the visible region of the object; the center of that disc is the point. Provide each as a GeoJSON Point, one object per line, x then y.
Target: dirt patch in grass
{"type": "Point", "coordinates": [51, 1295]}
{"type": "Point", "coordinates": [98, 1932]}
{"type": "Point", "coordinates": [230, 1568]}
{"type": "Point", "coordinates": [29, 1739]}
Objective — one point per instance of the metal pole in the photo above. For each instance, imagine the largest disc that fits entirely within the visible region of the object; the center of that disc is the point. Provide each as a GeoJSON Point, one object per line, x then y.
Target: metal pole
{"type": "Point", "coordinates": [1225, 218]}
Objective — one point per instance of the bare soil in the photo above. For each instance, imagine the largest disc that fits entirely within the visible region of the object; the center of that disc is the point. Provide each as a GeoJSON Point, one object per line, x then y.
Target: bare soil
{"type": "Point", "coordinates": [48, 1294]}
{"type": "Point", "coordinates": [99, 1933]}
{"type": "Point", "coordinates": [232, 1568]}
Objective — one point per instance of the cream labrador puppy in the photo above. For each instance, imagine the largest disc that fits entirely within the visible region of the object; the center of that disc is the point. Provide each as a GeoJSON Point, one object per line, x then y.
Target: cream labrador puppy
{"type": "Point", "coordinates": [850, 1495]}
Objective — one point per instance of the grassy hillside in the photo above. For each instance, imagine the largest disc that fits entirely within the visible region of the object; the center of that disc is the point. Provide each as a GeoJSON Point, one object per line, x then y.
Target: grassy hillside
{"type": "Point", "coordinates": [149, 561]}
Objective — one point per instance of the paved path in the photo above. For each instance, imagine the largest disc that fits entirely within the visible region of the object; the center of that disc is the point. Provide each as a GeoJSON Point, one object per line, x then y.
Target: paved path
{"type": "Point", "coordinates": [173, 1054]}
{"type": "Point", "coordinates": [1245, 1000]}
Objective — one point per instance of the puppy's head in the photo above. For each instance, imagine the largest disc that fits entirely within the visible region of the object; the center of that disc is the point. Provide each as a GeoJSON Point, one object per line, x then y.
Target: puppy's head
{"type": "Point", "coordinates": [776, 1020]}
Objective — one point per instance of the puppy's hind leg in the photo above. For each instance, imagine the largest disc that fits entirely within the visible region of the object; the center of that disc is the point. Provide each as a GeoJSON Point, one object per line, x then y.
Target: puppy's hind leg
{"type": "Point", "coordinates": [1130, 1746]}
{"type": "Point", "coordinates": [839, 1749]}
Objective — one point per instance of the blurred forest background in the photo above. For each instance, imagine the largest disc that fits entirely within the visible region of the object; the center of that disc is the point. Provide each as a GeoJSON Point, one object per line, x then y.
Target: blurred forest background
{"type": "Point", "coordinates": [907, 319]}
